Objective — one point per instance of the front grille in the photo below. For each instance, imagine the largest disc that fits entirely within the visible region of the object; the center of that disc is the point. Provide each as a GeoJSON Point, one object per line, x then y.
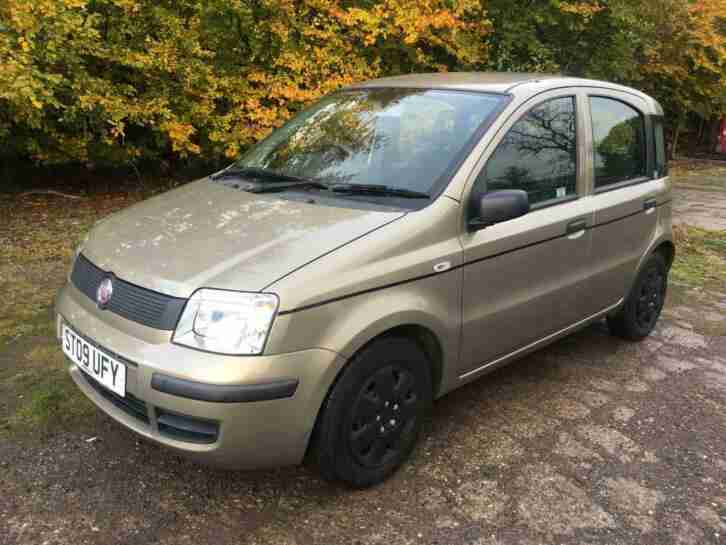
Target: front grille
{"type": "Point", "coordinates": [186, 428]}
{"type": "Point", "coordinates": [131, 405]}
{"type": "Point", "coordinates": [140, 305]}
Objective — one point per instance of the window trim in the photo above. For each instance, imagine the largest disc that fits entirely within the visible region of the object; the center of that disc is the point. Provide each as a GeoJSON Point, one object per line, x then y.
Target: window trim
{"type": "Point", "coordinates": [572, 95]}
{"type": "Point", "coordinates": [655, 121]}
{"type": "Point", "coordinates": [647, 156]}
{"type": "Point", "coordinates": [554, 202]}
{"type": "Point", "coordinates": [442, 183]}
{"type": "Point", "coordinates": [621, 185]}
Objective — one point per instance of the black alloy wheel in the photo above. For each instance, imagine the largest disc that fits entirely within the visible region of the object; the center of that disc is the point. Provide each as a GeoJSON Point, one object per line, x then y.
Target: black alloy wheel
{"type": "Point", "coordinates": [638, 316]}
{"type": "Point", "coordinates": [651, 298]}
{"type": "Point", "coordinates": [383, 415]}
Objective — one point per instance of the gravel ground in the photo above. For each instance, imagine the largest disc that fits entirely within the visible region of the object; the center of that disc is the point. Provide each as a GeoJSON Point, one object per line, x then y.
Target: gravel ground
{"type": "Point", "coordinates": [591, 440]}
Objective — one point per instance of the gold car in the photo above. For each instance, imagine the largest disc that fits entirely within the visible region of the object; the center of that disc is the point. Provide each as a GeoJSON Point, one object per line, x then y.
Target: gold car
{"type": "Point", "coordinates": [394, 241]}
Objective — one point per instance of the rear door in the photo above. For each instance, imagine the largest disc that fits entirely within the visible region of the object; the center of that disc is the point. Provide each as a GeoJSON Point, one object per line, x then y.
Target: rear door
{"type": "Point", "coordinates": [626, 190]}
{"type": "Point", "coordinates": [524, 278]}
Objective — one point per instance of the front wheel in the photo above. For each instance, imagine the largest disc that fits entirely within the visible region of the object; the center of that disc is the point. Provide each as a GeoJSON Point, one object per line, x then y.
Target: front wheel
{"type": "Point", "coordinates": [638, 316]}
{"type": "Point", "coordinates": [371, 419]}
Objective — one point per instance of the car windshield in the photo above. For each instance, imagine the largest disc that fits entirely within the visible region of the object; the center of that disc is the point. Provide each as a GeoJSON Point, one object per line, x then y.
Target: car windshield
{"type": "Point", "coordinates": [400, 138]}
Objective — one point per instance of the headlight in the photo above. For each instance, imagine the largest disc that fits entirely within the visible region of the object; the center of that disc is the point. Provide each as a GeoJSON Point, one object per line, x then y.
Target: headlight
{"type": "Point", "coordinates": [226, 322]}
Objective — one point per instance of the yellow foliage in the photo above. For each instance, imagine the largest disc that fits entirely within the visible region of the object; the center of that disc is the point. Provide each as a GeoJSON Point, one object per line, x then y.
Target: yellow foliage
{"type": "Point", "coordinates": [111, 79]}
{"type": "Point", "coordinates": [584, 9]}
{"type": "Point", "coordinates": [688, 59]}
{"type": "Point", "coordinates": [115, 80]}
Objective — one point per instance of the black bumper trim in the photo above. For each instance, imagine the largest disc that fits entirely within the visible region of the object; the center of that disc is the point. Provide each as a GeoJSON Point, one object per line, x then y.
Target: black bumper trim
{"type": "Point", "coordinates": [237, 393]}
{"type": "Point", "coordinates": [186, 428]}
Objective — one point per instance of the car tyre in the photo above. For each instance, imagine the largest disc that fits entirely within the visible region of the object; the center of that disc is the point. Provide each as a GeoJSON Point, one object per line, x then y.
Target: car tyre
{"type": "Point", "coordinates": [372, 416]}
{"type": "Point", "coordinates": [637, 318]}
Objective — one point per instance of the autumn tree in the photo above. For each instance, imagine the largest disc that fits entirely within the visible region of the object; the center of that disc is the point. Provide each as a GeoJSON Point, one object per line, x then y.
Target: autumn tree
{"type": "Point", "coordinates": [119, 81]}
{"type": "Point", "coordinates": [113, 81]}
{"type": "Point", "coordinates": [683, 59]}
{"type": "Point", "coordinates": [671, 49]}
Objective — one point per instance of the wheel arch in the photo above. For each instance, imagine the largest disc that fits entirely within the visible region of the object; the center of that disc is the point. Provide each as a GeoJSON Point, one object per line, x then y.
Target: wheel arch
{"type": "Point", "coordinates": [430, 317]}
{"type": "Point", "coordinates": [427, 341]}
{"type": "Point", "coordinates": [668, 250]}
{"type": "Point", "coordinates": [662, 244]}
{"type": "Point", "coordinates": [422, 332]}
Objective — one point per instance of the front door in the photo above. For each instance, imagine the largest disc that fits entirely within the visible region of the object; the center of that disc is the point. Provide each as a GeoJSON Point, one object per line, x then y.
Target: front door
{"type": "Point", "coordinates": [524, 278]}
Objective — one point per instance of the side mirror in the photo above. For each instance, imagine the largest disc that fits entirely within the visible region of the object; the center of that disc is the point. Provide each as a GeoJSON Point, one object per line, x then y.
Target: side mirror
{"type": "Point", "coordinates": [499, 206]}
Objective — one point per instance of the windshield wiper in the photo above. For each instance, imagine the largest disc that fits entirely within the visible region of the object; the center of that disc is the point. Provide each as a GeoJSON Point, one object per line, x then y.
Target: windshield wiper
{"type": "Point", "coordinates": [272, 187]}
{"type": "Point", "coordinates": [257, 173]}
{"type": "Point", "coordinates": [376, 189]}
{"type": "Point", "coordinates": [275, 181]}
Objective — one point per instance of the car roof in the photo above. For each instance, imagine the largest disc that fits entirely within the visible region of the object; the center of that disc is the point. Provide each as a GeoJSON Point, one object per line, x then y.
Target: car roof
{"type": "Point", "coordinates": [522, 85]}
{"type": "Point", "coordinates": [497, 82]}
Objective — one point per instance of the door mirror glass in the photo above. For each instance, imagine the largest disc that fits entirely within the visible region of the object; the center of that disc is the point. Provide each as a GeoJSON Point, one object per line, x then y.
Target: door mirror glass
{"type": "Point", "coordinates": [499, 206]}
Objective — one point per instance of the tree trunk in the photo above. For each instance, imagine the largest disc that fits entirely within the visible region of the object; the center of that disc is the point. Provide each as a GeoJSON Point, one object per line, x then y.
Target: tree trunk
{"type": "Point", "coordinates": [676, 134]}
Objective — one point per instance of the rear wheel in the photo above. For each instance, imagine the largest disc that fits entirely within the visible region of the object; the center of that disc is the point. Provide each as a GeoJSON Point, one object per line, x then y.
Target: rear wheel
{"type": "Point", "coordinates": [373, 414]}
{"type": "Point", "coordinates": [638, 316]}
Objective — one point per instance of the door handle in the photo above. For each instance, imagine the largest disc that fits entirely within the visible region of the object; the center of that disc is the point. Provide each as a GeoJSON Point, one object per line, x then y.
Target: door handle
{"type": "Point", "coordinates": [576, 226]}
{"type": "Point", "coordinates": [650, 204]}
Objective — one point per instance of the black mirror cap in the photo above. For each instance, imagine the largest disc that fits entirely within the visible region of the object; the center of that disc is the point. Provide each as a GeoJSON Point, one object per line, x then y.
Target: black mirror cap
{"type": "Point", "coordinates": [499, 206]}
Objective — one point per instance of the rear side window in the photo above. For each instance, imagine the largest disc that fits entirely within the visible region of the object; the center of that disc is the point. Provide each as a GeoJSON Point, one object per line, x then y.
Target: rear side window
{"type": "Point", "coordinates": [538, 154]}
{"type": "Point", "coordinates": [619, 141]}
{"type": "Point", "coordinates": [661, 162]}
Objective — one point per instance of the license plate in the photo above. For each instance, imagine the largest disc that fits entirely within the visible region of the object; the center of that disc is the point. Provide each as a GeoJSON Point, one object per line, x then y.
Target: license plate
{"type": "Point", "coordinates": [94, 361]}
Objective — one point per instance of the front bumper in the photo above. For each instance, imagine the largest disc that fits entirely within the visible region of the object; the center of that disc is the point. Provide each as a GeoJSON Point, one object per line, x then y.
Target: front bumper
{"type": "Point", "coordinates": [263, 408]}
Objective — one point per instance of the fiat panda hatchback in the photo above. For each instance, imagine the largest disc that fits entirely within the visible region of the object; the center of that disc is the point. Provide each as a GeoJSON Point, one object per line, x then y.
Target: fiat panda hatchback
{"type": "Point", "coordinates": [394, 241]}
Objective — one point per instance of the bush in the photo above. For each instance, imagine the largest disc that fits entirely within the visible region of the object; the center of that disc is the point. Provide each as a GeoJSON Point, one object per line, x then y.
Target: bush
{"type": "Point", "coordinates": [113, 81]}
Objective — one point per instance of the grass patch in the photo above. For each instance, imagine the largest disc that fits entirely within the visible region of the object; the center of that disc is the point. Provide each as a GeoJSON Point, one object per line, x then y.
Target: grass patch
{"type": "Point", "coordinates": [37, 237]}
{"type": "Point", "coordinates": [696, 307]}
{"type": "Point", "coordinates": [700, 257]}
{"type": "Point", "coordinates": [26, 320]}
{"type": "Point", "coordinates": [36, 244]}
{"type": "Point", "coordinates": [699, 175]}
{"type": "Point", "coordinates": [54, 401]}
{"type": "Point", "coordinates": [46, 396]}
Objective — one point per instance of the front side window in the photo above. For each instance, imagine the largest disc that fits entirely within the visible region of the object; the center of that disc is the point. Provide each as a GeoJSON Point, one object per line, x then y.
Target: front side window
{"type": "Point", "coordinates": [538, 154]}
{"type": "Point", "coordinates": [618, 132]}
{"type": "Point", "coordinates": [403, 138]}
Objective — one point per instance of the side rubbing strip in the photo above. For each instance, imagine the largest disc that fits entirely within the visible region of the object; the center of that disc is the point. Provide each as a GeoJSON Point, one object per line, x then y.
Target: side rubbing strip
{"type": "Point", "coordinates": [416, 278]}
{"type": "Point", "coordinates": [236, 393]}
